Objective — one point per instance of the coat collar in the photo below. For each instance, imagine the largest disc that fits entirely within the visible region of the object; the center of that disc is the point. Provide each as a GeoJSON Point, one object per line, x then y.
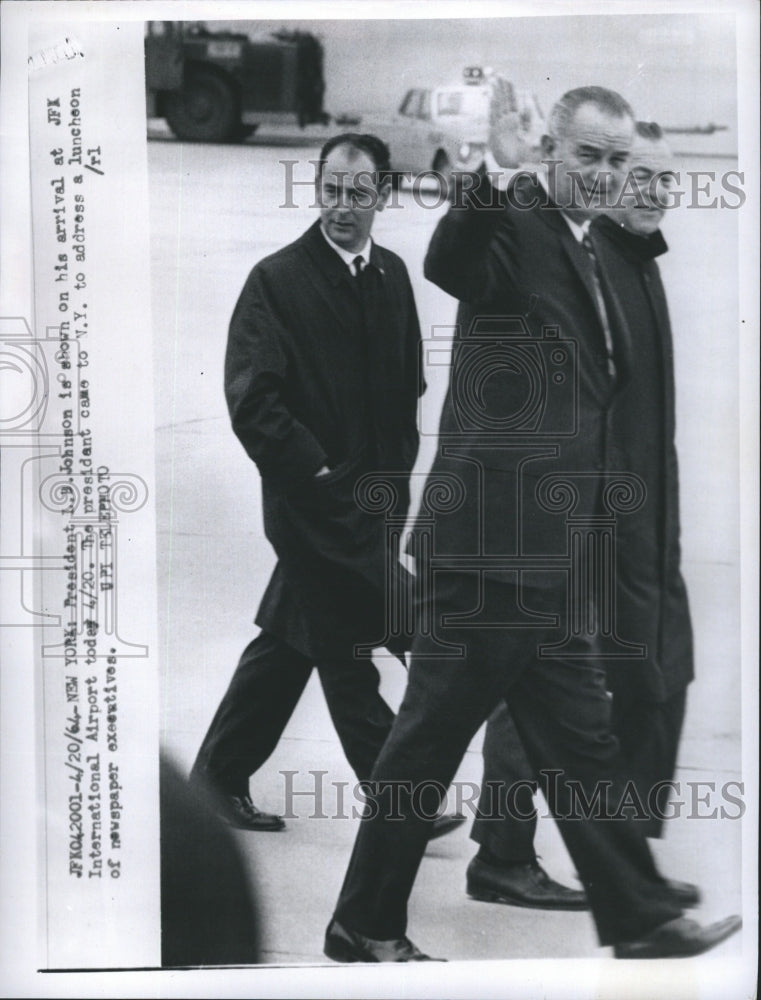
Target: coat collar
{"type": "Point", "coordinates": [527, 189]}
{"type": "Point", "coordinates": [552, 216]}
{"type": "Point", "coordinates": [328, 261]}
{"type": "Point", "coordinates": [333, 283]}
{"type": "Point", "coordinates": [639, 248]}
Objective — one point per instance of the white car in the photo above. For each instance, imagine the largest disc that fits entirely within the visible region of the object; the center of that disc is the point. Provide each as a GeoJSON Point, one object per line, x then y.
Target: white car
{"type": "Point", "coordinates": [444, 128]}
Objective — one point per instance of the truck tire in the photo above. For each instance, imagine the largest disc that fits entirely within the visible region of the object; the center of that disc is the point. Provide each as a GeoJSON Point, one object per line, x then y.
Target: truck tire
{"type": "Point", "coordinates": [205, 110]}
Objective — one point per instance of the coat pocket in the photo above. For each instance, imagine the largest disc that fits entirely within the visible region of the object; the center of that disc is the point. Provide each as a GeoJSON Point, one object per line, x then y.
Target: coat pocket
{"type": "Point", "coordinates": [325, 512]}
{"type": "Point", "coordinates": [333, 491]}
{"type": "Point", "coordinates": [336, 474]}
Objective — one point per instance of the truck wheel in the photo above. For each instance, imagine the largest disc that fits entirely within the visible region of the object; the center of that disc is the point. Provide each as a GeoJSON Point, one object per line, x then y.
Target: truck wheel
{"type": "Point", "coordinates": [443, 169]}
{"type": "Point", "coordinates": [205, 110]}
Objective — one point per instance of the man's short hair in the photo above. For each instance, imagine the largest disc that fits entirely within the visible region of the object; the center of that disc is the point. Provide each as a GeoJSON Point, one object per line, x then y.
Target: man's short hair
{"type": "Point", "coordinates": [564, 109]}
{"type": "Point", "coordinates": [649, 130]}
{"type": "Point", "coordinates": [360, 142]}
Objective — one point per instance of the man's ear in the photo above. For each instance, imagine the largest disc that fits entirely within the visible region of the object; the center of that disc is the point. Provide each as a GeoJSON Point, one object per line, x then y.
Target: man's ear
{"type": "Point", "coordinates": [384, 191]}
{"type": "Point", "coordinates": [548, 145]}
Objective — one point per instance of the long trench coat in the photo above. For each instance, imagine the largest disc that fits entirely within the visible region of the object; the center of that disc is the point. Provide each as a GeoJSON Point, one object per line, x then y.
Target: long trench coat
{"type": "Point", "coordinates": [651, 597]}
{"type": "Point", "coordinates": [321, 370]}
{"type": "Point", "coordinates": [533, 403]}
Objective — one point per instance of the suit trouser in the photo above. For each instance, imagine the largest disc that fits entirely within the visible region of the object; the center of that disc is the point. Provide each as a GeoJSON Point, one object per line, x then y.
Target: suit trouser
{"type": "Point", "coordinates": [562, 714]}
{"type": "Point", "coordinates": [648, 734]}
{"type": "Point", "coordinates": [265, 689]}
{"type": "Point", "coordinates": [505, 823]}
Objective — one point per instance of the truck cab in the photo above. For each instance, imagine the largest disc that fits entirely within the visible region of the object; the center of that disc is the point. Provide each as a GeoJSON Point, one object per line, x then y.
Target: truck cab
{"type": "Point", "coordinates": [218, 86]}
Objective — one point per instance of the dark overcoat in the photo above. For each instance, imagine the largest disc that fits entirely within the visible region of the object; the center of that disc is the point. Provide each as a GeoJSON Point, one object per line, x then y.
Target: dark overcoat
{"type": "Point", "coordinates": [652, 597]}
{"type": "Point", "coordinates": [529, 423]}
{"type": "Point", "coordinates": [324, 370]}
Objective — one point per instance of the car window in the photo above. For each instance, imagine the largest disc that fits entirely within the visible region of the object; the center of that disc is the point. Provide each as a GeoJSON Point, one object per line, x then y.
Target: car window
{"type": "Point", "coordinates": [449, 102]}
{"type": "Point", "coordinates": [409, 104]}
{"type": "Point", "coordinates": [469, 101]}
{"type": "Point", "coordinates": [424, 111]}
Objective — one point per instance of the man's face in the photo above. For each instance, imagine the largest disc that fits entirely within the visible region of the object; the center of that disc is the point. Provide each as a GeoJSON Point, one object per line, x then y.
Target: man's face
{"type": "Point", "coordinates": [593, 155]}
{"type": "Point", "coordinates": [649, 187]}
{"type": "Point", "coordinates": [349, 197]}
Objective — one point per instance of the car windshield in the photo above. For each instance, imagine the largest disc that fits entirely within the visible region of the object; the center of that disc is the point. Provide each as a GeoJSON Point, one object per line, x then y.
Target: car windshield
{"type": "Point", "coordinates": [462, 101]}
{"type": "Point", "coordinates": [410, 103]}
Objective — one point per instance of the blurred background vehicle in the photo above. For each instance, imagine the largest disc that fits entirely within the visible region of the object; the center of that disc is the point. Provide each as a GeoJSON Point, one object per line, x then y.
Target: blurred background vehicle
{"type": "Point", "coordinates": [439, 129]}
{"type": "Point", "coordinates": [219, 86]}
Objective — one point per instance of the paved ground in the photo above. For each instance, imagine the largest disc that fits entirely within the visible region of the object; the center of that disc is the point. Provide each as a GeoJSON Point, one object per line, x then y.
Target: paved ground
{"type": "Point", "coordinates": [214, 213]}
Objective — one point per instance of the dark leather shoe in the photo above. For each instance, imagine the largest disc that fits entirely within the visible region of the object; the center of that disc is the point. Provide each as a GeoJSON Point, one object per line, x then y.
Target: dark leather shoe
{"type": "Point", "coordinates": [679, 938]}
{"type": "Point", "coordinates": [521, 885]}
{"type": "Point", "coordinates": [243, 814]}
{"type": "Point", "coordinates": [683, 893]}
{"type": "Point", "coordinates": [342, 945]}
{"type": "Point", "coordinates": [445, 824]}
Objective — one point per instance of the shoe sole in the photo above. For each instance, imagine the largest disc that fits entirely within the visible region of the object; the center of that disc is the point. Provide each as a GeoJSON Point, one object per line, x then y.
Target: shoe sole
{"type": "Point", "coordinates": [251, 829]}
{"type": "Point", "coordinates": [489, 896]}
{"type": "Point", "coordinates": [730, 926]}
{"type": "Point", "coordinates": [336, 951]}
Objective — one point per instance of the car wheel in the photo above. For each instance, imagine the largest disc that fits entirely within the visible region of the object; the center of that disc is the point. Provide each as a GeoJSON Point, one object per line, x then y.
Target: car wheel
{"type": "Point", "coordinates": [205, 110]}
{"type": "Point", "coordinates": [443, 170]}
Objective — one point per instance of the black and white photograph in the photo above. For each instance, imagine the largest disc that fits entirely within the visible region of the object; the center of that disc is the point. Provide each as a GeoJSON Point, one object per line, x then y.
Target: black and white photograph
{"type": "Point", "coordinates": [379, 499]}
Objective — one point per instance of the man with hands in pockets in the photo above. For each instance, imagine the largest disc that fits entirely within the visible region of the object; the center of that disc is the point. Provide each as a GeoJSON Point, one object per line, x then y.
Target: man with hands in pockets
{"type": "Point", "coordinates": [322, 380]}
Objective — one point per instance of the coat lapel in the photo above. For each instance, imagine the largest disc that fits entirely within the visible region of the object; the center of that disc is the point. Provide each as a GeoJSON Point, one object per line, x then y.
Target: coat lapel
{"type": "Point", "coordinates": [552, 217]}
{"type": "Point", "coordinates": [622, 340]}
{"type": "Point", "coordinates": [578, 259]}
{"type": "Point", "coordinates": [643, 251]}
{"type": "Point", "coordinates": [332, 279]}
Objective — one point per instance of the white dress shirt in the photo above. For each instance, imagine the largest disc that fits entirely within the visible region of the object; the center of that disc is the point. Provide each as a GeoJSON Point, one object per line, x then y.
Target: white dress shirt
{"type": "Point", "coordinates": [349, 256]}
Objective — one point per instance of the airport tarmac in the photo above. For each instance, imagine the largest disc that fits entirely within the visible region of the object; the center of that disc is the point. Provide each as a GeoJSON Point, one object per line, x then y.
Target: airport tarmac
{"type": "Point", "coordinates": [215, 211]}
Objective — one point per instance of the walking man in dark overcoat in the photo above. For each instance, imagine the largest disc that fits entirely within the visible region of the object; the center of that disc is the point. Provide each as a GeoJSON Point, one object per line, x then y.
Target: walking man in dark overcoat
{"type": "Point", "coordinates": [649, 694]}
{"type": "Point", "coordinates": [652, 611]}
{"type": "Point", "coordinates": [322, 379]}
{"type": "Point", "coordinates": [499, 600]}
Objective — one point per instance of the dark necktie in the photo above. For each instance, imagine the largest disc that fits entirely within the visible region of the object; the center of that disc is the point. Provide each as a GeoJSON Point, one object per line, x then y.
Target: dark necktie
{"type": "Point", "coordinates": [359, 265]}
{"type": "Point", "coordinates": [600, 296]}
